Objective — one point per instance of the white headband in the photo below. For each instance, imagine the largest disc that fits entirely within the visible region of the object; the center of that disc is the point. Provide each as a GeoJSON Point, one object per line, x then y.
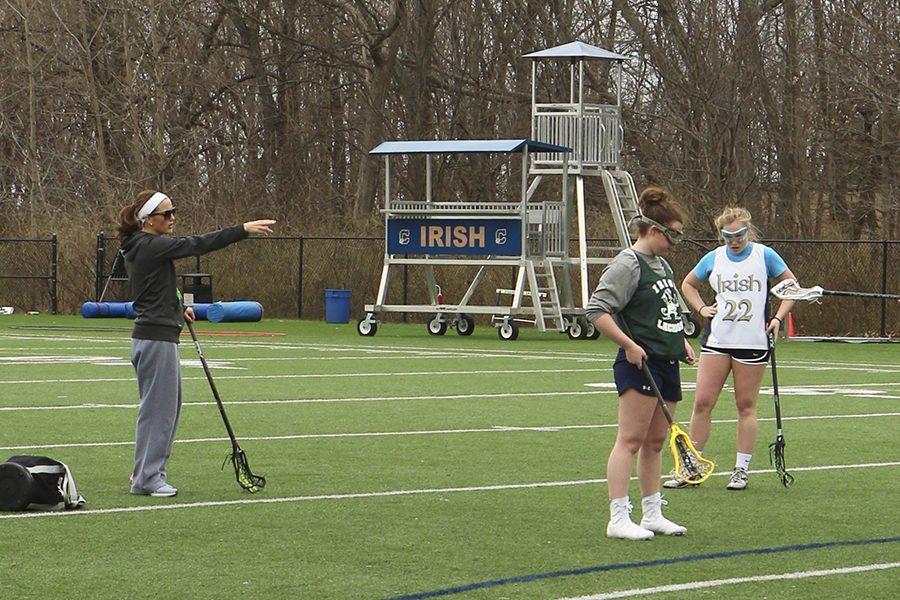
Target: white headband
{"type": "Point", "coordinates": [155, 200]}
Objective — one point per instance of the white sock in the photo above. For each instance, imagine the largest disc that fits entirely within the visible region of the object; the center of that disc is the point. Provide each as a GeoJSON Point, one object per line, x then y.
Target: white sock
{"type": "Point", "coordinates": [651, 499]}
{"type": "Point", "coordinates": [743, 461]}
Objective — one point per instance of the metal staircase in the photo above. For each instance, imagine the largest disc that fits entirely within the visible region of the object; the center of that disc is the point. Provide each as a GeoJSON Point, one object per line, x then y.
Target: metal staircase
{"type": "Point", "coordinates": [545, 296]}
{"type": "Point", "coordinates": [623, 202]}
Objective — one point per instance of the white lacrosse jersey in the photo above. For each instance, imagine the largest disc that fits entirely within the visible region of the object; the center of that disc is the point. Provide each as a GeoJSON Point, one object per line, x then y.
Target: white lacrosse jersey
{"type": "Point", "coordinates": [741, 292]}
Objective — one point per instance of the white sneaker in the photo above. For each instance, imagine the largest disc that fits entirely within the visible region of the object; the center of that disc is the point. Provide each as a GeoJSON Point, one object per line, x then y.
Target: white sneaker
{"type": "Point", "coordinates": [676, 484]}
{"type": "Point", "coordinates": [620, 524]}
{"type": "Point", "coordinates": [739, 480]}
{"type": "Point", "coordinates": [653, 519]}
{"type": "Point", "coordinates": [166, 491]}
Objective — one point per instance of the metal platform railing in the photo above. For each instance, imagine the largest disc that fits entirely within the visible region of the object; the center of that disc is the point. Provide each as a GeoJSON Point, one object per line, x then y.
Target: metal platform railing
{"type": "Point", "coordinates": [423, 208]}
{"type": "Point", "coordinates": [546, 229]}
{"type": "Point", "coordinates": [598, 145]}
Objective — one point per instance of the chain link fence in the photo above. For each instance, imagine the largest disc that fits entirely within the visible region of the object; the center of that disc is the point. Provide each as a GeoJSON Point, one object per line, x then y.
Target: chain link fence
{"type": "Point", "coordinates": [859, 266]}
{"type": "Point", "coordinates": [28, 274]}
{"type": "Point", "coordinates": [289, 275]}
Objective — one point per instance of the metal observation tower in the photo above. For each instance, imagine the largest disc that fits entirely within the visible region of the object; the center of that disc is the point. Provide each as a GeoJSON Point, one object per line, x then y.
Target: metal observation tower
{"type": "Point", "coordinates": [571, 139]}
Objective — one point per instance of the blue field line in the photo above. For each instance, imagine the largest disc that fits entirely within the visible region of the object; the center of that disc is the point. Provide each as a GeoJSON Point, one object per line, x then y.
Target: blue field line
{"type": "Point", "coordinates": [633, 565]}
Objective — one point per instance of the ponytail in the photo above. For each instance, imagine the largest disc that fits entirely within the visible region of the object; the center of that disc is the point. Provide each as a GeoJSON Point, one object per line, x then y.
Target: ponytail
{"type": "Point", "coordinates": [128, 221]}
{"type": "Point", "coordinates": [658, 204]}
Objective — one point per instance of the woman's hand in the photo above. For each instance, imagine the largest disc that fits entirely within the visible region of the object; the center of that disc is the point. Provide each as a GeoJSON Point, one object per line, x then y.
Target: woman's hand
{"type": "Point", "coordinates": [188, 315]}
{"type": "Point", "coordinates": [709, 311]}
{"type": "Point", "coordinates": [260, 227]}
{"type": "Point", "coordinates": [635, 355]}
{"type": "Point", "coordinates": [774, 326]}
{"type": "Point", "coordinates": [689, 353]}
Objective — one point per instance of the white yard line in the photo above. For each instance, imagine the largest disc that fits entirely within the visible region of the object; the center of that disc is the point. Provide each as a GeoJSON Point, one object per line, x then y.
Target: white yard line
{"type": "Point", "coordinates": [43, 359]}
{"type": "Point", "coordinates": [420, 432]}
{"type": "Point", "coordinates": [474, 352]}
{"type": "Point", "coordinates": [133, 405]}
{"type": "Point", "coordinates": [387, 493]}
{"type": "Point", "coordinates": [382, 374]}
{"type": "Point", "coordinates": [316, 375]}
{"type": "Point", "coordinates": [709, 583]}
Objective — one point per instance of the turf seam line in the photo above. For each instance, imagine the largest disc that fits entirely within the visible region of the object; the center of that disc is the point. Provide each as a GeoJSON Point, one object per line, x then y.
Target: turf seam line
{"type": "Point", "coordinates": [709, 583]}
{"type": "Point", "coordinates": [639, 564]}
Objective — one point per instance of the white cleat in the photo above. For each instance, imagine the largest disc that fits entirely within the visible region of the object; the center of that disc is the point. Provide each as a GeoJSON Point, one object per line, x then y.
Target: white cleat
{"type": "Point", "coordinates": [653, 519]}
{"type": "Point", "coordinates": [663, 526]}
{"type": "Point", "coordinates": [620, 524]}
{"type": "Point", "coordinates": [628, 530]}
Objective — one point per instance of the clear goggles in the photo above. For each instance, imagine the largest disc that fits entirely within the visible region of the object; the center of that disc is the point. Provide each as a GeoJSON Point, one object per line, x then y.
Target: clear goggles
{"type": "Point", "coordinates": [673, 235]}
{"type": "Point", "coordinates": [740, 235]}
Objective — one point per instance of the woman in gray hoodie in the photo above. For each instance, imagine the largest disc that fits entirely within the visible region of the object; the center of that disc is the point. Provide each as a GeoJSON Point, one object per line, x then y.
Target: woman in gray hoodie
{"type": "Point", "coordinates": [145, 229]}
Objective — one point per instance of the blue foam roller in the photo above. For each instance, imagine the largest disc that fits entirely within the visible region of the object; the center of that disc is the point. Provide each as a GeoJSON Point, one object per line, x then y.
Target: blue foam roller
{"type": "Point", "coordinates": [200, 311]}
{"type": "Point", "coordinates": [222, 312]}
{"type": "Point", "coordinates": [92, 310]}
{"type": "Point", "coordinates": [129, 310]}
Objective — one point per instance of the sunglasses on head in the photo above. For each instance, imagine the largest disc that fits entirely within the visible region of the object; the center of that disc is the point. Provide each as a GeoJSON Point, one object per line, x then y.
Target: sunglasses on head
{"type": "Point", "coordinates": [739, 235]}
{"type": "Point", "coordinates": [673, 235]}
{"type": "Point", "coordinates": [166, 214]}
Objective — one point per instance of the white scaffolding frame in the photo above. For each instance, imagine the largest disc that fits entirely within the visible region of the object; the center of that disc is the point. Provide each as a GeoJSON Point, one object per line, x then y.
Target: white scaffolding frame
{"type": "Point", "coordinates": [537, 297]}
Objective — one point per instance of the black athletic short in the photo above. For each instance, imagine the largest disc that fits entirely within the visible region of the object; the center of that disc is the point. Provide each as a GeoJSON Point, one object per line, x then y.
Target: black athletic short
{"type": "Point", "coordinates": [665, 372]}
{"type": "Point", "coordinates": [747, 356]}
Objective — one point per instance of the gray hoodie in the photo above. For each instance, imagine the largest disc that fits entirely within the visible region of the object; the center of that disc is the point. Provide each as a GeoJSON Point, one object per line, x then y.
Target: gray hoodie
{"type": "Point", "coordinates": [149, 263]}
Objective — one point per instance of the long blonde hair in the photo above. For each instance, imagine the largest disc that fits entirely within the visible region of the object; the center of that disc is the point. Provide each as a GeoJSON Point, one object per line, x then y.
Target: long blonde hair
{"type": "Point", "coordinates": [737, 213]}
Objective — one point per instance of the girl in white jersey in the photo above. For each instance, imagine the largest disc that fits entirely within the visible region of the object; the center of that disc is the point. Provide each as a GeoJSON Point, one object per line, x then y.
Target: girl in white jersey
{"type": "Point", "coordinates": [736, 339]}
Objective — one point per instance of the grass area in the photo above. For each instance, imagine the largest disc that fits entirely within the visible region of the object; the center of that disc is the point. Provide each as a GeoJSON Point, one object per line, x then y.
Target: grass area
{"type": "Point", "coordinates": [406, 463]}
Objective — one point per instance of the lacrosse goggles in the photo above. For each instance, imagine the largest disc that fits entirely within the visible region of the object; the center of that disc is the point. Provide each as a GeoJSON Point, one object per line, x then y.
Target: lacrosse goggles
{"type": "Point", "coordinates": [673, 235]}
{"type": "Point", "coordinates": [735, 236]}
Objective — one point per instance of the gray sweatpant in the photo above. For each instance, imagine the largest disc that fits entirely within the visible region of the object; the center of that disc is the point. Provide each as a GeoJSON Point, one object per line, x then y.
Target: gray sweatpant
{"type": "Point", "coordinates": [158, 370]}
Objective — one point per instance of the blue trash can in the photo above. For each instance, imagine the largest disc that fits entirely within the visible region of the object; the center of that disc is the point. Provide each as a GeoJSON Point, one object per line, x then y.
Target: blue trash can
{"type": "Point", "coordinates": [337, 306]}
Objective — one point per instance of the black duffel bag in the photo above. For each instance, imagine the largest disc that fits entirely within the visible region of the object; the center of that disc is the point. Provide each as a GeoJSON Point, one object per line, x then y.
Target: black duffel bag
{"type": "Point", "coordinates": [37, 483]}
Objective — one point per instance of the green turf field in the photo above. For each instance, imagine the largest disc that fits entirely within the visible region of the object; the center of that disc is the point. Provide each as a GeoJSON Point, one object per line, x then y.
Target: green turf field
{"type": "Point", "coordinates": [418, 466]}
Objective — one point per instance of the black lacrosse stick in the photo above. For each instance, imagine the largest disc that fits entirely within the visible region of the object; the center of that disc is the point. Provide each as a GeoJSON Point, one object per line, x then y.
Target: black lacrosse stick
{"type": "Point", "coordinates": [776, 449]}
{"type": "Point", "coordinates": [245, 477]}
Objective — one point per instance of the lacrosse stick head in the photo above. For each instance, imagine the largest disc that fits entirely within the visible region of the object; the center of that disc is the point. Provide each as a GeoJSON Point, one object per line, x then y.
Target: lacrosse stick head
{"type": "Point", "coordinates": [789, 289]}
{"type": "Point", "coordinates": [245, 477]}
{"type": "Point", "coordinates": [776, 457]}
{"type": "Point", "coordinates": [690, 465]}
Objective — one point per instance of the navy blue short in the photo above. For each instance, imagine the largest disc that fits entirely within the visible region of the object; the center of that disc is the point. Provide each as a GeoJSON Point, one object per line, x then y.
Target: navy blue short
{"type": "Point", "coordinates": [666, 373]}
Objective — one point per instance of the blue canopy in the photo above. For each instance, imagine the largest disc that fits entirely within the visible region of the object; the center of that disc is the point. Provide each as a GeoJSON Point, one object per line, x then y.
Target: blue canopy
{"type": "Point", "coordinates": [464, 147]}
{"type": "Point", "coordinates": [576, 50]}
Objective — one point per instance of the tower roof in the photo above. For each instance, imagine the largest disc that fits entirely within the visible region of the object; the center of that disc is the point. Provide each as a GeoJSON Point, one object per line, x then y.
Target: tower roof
{"type": "Point", "coordinates": [576, 50]}
{"type": "Point", "coordinates": [464, 147]}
